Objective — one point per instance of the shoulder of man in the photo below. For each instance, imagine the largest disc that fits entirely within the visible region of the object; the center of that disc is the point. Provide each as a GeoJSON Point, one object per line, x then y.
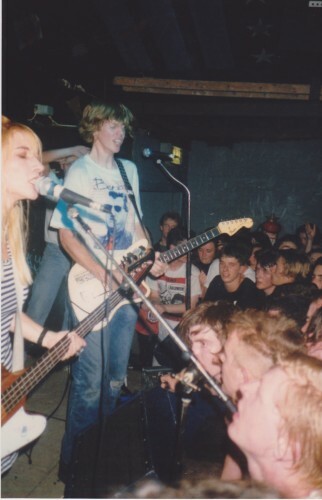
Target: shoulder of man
{"type": "Point", "coordinates": [216, 282]}
{"type": "Point", "coordinates": [127, 164]}
{"type": "Point", "coordinates": [249, 288]}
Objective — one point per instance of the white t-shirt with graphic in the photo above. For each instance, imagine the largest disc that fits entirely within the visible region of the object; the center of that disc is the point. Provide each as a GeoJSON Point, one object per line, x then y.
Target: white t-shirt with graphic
{"type": "Point", "coordinates": [104, 186]}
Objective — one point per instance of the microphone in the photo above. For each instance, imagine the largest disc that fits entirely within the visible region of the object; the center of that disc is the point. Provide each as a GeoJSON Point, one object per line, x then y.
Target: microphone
{"type": "Point", "coordinates": [47, 187]}
{"type": "Point", "coordinates": [158, 155]}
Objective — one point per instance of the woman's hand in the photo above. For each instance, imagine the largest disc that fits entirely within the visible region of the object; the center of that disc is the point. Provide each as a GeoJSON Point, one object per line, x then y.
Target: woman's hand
{"type": "Point", "coordinates": [75, 347]}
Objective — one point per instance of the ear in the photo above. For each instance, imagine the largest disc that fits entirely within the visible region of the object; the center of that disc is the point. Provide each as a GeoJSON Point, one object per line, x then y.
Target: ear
{"type": "Point", "coordinates": [244, 374]}
{"type": "Point", "coordinates": [287, 452]}
{"type": "Point", "coordinates": [281, 447]}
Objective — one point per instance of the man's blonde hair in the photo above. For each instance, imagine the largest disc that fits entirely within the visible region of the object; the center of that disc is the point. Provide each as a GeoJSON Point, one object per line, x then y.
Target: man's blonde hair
{"type": "Point", "coordinates": [273, 337]}
{"type": "Point", "coordinates": [301, 411]}
{"type": "Point", "coordinates": [96, 113]}
{"type": "Point", "coordinates": [296, 265]}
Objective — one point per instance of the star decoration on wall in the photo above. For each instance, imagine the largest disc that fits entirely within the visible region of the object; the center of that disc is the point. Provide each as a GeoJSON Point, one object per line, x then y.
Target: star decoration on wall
{"type": "Point", "coordinates": [260, 28]}
{"type": "Point", "coordinates": [263, 56]}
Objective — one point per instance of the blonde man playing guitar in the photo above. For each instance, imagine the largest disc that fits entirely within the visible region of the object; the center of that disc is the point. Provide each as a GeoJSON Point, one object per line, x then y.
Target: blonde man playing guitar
{"type": "Point", "coordinates": [98, 374]}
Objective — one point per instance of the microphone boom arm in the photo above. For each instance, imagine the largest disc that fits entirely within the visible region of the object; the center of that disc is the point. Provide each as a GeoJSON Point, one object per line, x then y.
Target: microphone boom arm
{"type": "Point", "coordinates": [187, 353]}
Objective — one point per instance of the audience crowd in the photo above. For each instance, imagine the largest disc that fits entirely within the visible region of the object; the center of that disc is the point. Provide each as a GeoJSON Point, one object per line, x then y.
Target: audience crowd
{"type": "Point", "coordinates": [248, 306]}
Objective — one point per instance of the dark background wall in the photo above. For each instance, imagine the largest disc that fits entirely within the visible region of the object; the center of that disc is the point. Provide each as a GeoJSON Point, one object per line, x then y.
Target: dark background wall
{"type": "Point", "coordinates": [244, 179]}
{"type": "Point", "coordinates": [255, 179]}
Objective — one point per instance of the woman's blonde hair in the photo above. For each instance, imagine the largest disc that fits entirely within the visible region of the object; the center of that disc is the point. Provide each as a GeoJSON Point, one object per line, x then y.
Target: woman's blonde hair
{"type": "Point", "coordinates": [15, 221]}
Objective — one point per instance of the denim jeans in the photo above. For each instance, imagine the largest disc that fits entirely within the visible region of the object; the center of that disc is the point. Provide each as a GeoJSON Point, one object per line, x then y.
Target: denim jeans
{"type": "Point", "coordinates": [53, 270]}
{"type": "Point", "coordinates": [97, 376]}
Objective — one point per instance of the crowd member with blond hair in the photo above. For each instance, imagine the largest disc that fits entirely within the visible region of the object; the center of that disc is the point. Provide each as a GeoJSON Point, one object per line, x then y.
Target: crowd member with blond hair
{"type": "Point", "coordinates": [291, 267]}
{"type": "Point", "coordinates": [256, 341]}
{"type": "Point", "coordinates": [21, 168]}
{"type": "Point", "coordinates": [278, 426]}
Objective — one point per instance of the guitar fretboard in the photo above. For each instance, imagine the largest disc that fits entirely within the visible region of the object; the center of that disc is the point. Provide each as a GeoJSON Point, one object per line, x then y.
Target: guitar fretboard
{"type": "Point", "coordinates": [31, 377]}
{"type": "Point", "coordinates": [187, 246]}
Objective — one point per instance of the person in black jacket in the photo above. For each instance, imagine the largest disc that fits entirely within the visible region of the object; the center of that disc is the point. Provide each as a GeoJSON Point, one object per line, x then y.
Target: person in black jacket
{"type": "Point", "coordinates": [231, 284]}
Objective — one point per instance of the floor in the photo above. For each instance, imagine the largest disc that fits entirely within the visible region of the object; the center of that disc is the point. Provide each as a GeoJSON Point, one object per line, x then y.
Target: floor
{"type": "Point", "coordinates": [35, 473]}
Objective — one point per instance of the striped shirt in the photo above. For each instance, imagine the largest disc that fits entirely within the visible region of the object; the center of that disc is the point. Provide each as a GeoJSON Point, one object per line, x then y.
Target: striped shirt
{"type": "Point", "coordinates": [9, 306]}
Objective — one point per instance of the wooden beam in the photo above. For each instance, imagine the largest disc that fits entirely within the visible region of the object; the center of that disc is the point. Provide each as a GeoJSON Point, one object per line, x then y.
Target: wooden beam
{"type": "Point", "coordinates": [249, 90]}
{"type": "Point", "coordinates": [224, 107]}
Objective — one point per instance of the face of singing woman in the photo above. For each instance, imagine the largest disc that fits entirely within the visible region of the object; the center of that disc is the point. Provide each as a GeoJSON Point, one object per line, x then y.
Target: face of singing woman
{"type": "Point", "coordinates": [21, 168]}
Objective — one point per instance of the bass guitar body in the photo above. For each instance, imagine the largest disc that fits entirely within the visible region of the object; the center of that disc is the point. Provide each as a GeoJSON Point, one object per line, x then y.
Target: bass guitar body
{"type": "Point", "coordinates": [18, 428]}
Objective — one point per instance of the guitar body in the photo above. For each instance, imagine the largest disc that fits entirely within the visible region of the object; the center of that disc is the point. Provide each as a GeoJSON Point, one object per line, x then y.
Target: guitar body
{"type": "Point", "coordinates": [20, 430]}
{"type": "Point", "coordinates": [147, 323]}
{"type": "Point", "coordinates": [86, 292]}
{"type": "Point", "coordinates": [7, 380]}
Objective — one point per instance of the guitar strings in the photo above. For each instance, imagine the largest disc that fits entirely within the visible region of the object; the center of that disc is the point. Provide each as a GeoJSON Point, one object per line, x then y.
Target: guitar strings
{"type": "Point", "coordinates": [29, 379]}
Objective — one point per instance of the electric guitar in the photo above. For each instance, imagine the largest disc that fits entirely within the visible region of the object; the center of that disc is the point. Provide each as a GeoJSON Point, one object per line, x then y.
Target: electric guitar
{"type": "Point", "coordinates": [86, 292]}
{"type": "Point", "coordinates": [19, 428]}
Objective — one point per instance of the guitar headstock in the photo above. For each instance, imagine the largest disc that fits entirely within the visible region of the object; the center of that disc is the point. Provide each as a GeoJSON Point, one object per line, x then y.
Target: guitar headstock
{"type": "Point", "coordinates": [138, 256]}
{"type": "Point", "coordinates": [232, 226]}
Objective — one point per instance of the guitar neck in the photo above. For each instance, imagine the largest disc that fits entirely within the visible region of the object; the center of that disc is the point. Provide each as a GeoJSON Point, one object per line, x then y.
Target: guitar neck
{"type": "Point", "coordinates": [33, 375]}
{"type": "Point", "coordinates": [188, 246]}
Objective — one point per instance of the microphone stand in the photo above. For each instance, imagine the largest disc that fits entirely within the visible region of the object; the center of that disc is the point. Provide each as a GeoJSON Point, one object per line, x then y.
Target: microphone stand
{"type": "Point", "coordinates": [186, 397]}
{"type": "Point", "coordinates": [186, 353]}
{"type": "Point", "coordinates": [188, 267]}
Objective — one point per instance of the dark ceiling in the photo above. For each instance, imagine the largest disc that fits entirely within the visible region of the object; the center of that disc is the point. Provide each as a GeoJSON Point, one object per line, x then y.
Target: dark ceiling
{"type": "Point", "coordinates": [64, 52]}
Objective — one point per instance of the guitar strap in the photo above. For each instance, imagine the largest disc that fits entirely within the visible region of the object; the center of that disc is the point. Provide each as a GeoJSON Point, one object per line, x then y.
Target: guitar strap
{"type": "Point", "coordinates": [130, 194]}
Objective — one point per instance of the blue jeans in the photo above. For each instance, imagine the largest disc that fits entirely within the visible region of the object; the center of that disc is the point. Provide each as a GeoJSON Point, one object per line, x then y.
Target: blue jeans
{"type": "Point", "coordinates": [53, 270]}
{"type": "Point", "coordinates": [97, 376]}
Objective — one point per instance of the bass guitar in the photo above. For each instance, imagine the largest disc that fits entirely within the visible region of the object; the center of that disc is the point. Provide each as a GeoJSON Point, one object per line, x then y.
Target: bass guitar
{"type": "Point", "coordinates": [19, 428]}
{"type": "Point", "coordinates": [86, 291]}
